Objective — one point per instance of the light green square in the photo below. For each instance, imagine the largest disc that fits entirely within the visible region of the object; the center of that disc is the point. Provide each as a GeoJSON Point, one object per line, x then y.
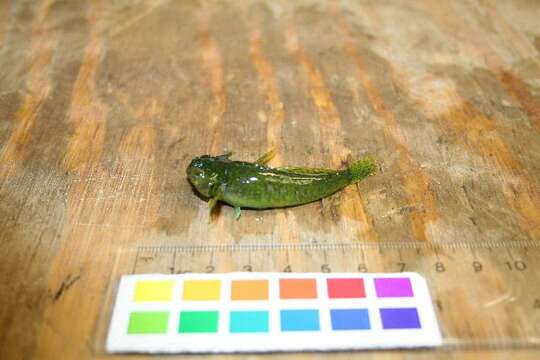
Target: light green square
{"type": "Point", "coordinates": [148, 322]}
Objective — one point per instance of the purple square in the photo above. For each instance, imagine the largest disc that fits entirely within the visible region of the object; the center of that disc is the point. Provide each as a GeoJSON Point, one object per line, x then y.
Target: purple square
{"type": "Point", "coordinates": [393, 287]}
{"type": "Point", "coordinates": [400, 318]}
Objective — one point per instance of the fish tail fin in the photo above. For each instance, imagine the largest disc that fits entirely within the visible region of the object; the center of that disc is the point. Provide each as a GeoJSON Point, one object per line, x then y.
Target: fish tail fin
{"type": "Point", "coordinates": [362, 168]}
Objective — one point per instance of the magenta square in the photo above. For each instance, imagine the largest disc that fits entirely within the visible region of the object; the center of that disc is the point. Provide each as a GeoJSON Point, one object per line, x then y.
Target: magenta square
{"type": "Point", "coordinates": [393, 287]}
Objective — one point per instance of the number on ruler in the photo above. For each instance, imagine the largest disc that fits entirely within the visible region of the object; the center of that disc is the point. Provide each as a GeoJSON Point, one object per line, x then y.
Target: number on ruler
{"type": "Point", "coordinates": [477, 266]}
{"type": "Point", "coordinates": [516, 265]}
{"type": "Point", "coordinates": [325, 268]}
{"type": "Point", "coordinates": [439, 267]}
{"type": "Point", "coordinates": [247, 268]}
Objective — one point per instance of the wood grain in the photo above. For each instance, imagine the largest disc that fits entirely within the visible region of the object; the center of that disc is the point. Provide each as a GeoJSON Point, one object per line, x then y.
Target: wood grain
{"type": "Point", "coordinates": [103, 104]}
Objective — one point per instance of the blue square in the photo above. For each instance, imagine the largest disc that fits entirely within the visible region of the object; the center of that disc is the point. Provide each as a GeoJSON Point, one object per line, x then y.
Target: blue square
{"type": "Point", "coordinates": [248, 321]}
{"type": "Point", "coordinates": [299, 320]}
{"type": "Point", "coordinates": [350, 319]}
{"type": "Point", "coordinates": [400, 318]}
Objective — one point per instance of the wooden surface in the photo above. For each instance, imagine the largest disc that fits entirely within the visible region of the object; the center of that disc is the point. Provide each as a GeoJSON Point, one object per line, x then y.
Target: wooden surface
{"type": "Point", "coordinates": [104, 103]}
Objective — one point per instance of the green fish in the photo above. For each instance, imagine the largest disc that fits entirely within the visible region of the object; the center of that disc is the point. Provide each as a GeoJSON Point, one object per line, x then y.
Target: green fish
{"type": "Point", "coordinates": [257, 186]}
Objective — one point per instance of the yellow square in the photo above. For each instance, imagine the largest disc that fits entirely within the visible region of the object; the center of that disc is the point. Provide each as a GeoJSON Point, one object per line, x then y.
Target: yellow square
{"type": "Point", "coordinates": [202, 290]}
{"type": "Point", "coordinates": [153, 290]}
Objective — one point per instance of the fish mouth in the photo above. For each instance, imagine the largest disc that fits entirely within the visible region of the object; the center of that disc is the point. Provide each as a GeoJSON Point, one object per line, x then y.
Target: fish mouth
{"type": "Point", "coordinates": [197, 191]}
{"type": "Point", "coordinates": [200, 185]}
{"type": "Point", "coordinates": [195, 180]}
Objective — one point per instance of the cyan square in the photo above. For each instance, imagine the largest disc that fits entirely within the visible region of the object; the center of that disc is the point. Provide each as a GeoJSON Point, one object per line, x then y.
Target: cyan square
{"type": "Point", "coordinates": [248, 321]}
{"type": "Point", "coordinates": [299, 320]}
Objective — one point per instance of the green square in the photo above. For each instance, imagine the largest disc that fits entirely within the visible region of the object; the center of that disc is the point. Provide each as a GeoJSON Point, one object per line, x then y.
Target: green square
{"type": "Point", "coordinates": [198, 322]}
{"type": "Point", "coordinates": [148, 322]}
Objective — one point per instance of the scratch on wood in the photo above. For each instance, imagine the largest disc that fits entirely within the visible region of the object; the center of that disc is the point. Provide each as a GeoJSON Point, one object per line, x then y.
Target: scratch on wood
{"type": "Point", "coordinates": [468, 197]}
{"type": "Point", "coordinates": [140, 140]}
{"type": "Point", "coordinates": [149, 8]}
{"type": "Point", "coordinates": [65, 286]}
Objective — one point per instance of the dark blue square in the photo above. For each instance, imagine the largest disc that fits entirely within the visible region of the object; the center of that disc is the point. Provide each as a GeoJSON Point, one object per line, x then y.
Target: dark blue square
{"type": "Point", "coordinates": [350, 319]}
{"type": "Point", "coordinates": [400, 318]}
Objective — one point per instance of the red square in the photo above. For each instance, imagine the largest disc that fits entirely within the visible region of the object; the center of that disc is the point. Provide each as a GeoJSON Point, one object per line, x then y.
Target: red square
{"type": "Point", "coordinates": [346, 288]}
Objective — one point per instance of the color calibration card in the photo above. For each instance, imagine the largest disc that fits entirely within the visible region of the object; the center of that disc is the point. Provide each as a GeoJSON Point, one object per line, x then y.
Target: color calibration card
{"type": "Point", "coordinates": [268, 312]}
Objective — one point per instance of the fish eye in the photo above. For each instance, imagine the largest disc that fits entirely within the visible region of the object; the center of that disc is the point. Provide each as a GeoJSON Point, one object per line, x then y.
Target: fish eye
{"type": "Point", "coordinates": [198, 172]}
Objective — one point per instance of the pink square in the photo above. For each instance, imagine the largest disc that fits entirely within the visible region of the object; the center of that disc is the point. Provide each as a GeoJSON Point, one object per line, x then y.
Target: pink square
{"type": "Point", "coordinates": [346, 288]}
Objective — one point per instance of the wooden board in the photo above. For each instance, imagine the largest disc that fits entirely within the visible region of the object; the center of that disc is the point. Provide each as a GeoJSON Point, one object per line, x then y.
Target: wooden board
{"type": "Point", "coordinates": [103, 104]}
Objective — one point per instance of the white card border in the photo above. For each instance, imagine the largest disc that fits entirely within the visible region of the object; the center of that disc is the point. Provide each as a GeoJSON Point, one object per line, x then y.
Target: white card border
{"type": "Point", "coordinates": [274, 340]}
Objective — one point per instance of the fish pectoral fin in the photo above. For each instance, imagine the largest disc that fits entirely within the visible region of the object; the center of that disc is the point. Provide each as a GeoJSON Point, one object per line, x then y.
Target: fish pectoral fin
{"type": "Point", "coordinates": [265, 158]}
{"type": "Point", "coordinates": [212, 203]}
{"type": "Point", "coordinates": [307, 171]}
{"type": "Point", "coordinates": [216, 194]}
{"type": "Point", "coordinates": [237, 212]}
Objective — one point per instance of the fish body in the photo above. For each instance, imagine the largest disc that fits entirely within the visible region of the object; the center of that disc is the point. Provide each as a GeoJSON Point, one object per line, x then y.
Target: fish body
{"type": "Point", "coordinates": [255, 185]}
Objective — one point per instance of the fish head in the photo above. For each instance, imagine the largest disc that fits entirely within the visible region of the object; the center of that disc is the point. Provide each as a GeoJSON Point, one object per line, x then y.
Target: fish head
{"type": "Point", "coordinates": [204, 173]}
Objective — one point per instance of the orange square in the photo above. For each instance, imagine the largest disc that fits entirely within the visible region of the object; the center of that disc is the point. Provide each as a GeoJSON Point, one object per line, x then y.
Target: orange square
{"type": "Point", "coordinates": [249, 290]}
{"type": "Point", "coordinates": [297, 289]}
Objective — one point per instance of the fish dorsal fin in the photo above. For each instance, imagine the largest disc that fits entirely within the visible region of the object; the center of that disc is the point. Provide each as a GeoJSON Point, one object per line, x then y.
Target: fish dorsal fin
{"type": "Point", "coordinates": [307, 171]}
{"type": "Point", "coordinates": [224, 156]}
{"type": "Point", "coordinates": [266, 157]}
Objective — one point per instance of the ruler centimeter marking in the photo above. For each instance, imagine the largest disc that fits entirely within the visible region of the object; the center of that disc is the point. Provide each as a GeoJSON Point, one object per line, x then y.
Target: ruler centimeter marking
{"type": "Point", "coordinates": [520, 244]}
